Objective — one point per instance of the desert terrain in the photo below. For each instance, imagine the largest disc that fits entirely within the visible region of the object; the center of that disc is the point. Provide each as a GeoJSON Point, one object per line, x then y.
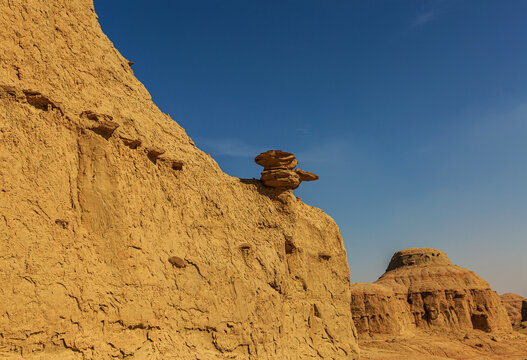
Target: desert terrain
{"type": "Point", "coordinates": [120, 239]}
{"type": "Point", "coordinates": [424, 307]}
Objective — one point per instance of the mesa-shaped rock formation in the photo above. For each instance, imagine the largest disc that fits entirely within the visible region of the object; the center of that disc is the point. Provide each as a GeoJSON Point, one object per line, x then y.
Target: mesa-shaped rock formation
{"type": "Point", "coordinates": [120, 239]}
{"type": "Point", "coordinates": [278, 170]}
{"type": "Point", "coordinates": [423, 290]}
{"type": "Point", "coordinates": [516, 307]}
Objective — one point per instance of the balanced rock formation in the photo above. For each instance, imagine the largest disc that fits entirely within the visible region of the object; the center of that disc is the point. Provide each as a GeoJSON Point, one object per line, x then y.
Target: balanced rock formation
{"type": "Point", "coordinates": [514, 304]}
{"type": "Point", "coordinates": [121, 239]}
{"type": "Point", "coordinates": [278, 170]}
{"type": "Point", "coordinates": [423, 290]}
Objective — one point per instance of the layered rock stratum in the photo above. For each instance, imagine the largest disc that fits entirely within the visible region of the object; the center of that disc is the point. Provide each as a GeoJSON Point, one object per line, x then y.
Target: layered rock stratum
{"type": "Point", "coordinates": [120, 239]}
{"type": "Point", "coordinates": [422, 289]}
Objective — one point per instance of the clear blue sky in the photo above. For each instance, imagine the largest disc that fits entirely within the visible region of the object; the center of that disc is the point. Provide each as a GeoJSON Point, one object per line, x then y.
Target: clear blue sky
{"type": "Point", "coordinates": [413, 113]}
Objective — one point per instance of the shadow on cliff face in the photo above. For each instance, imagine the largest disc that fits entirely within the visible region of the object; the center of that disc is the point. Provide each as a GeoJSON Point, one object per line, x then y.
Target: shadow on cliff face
{"type": "Point", "coordinates": [273, 193]}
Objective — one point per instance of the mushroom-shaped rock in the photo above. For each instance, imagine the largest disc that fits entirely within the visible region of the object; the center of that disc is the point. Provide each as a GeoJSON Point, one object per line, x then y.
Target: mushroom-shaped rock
{"type": "Point", "coordinates": [276, 159]}
{"type": "Point", "coordinates": [280, 178]}
{"type": "Point", "coordinates": [306, 175]}
{"type": "Point", "coordinates": [278, 170]}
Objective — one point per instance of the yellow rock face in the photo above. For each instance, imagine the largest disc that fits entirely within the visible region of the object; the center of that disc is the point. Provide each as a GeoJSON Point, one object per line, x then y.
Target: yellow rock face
{"type": "Point", "coordinates": [112, 248]}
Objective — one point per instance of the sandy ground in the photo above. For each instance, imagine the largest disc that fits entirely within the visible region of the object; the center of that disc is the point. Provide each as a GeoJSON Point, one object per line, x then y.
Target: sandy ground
{"type": "Point", "coordinates": [475, 345]}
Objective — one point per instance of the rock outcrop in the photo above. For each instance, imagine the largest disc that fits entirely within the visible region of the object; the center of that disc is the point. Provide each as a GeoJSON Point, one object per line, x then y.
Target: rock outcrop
{"type": "Point", "coordinates": [120, 239]}
{"type": "Point", "coordinates": [514, 304]}
{"type": "Point", "coordinates": [418, 257]}
{"type": "Point", "coordinates": [377, 309]}
{"type": "Point", "coordinates": [278, 170]}
{"type": "Point", "coordinates": [423, 290]}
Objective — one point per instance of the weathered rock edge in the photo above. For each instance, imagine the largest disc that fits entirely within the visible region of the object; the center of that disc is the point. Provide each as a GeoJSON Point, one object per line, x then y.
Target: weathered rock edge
{"type": "Point", "coordinates": [119, 238]}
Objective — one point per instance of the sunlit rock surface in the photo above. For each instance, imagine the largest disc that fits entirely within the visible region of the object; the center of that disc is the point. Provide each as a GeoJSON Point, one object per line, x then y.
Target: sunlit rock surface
{"type": "Point", "coordinates": [120, 239]}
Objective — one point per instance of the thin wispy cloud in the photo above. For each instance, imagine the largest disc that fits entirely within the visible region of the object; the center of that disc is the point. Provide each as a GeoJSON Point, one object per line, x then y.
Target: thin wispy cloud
{"type": "Point", "coordinates": [335, 151]}
{"type": "Point", "coordinates": [229, 147]}
{"type": "Point", "coordinates": [424, 18]}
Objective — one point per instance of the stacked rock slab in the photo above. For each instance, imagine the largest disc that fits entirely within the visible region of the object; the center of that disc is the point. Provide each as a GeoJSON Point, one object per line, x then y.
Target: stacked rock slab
{"type": "Point", "coordinates": [514, 304]}
{"type": "Point", "coordinates": [120, 239]}
{"type": "Point", "coordinates": [278, 170]}
{"type": "Point", "coordinates": [423, 290]}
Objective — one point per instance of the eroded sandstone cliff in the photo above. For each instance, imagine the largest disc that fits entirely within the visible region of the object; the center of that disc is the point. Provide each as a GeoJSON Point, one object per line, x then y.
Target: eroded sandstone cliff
{"type": "Point", "coordinates": [120, 239]}
{"type": "Point", "coordinates": [423, 290]}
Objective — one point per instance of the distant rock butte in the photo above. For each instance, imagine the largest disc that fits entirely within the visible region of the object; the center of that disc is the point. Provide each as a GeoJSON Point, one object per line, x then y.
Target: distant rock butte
{"type": "Point", "coordinates": [422, 290]}
{"type": "Point", "coordinates": [516, 307]}
{"type": "Point", "coordinates": [278, 170]}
